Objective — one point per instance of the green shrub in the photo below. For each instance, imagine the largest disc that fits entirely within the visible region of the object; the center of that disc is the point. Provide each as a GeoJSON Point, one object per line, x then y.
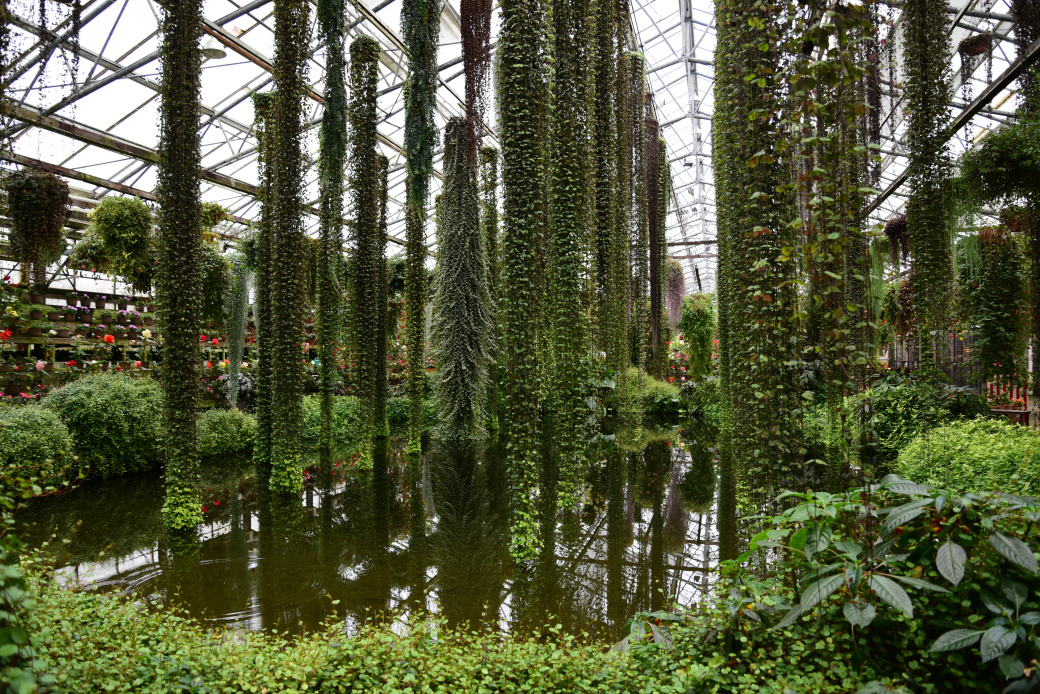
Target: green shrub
{"type": "Point", "coordinates": [346, 422]}
{"type": "Point", "coordinates": [397, 415]}
{"type": "Point", "coordinates": [905, 408]}
{"type": "Point", "coordinates": [226, 433]}
{"type": "Point", "coordinates": [701, 400]}
{"type": "Point", "coordinates": [34, 444]}
{"type": "Point", "coordinates": [115, 422]}
{"type": "Point", "coordinates": [975, 455]}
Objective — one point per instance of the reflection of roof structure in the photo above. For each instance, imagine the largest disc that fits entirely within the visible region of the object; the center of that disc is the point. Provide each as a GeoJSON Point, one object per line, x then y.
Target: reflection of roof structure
{"type": "Point", "coordinates": [92, 108]}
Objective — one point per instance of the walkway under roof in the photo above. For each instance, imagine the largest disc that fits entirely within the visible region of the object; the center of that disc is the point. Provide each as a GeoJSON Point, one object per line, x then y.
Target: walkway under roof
{"type": "Point", "coordinates": [91, 108]}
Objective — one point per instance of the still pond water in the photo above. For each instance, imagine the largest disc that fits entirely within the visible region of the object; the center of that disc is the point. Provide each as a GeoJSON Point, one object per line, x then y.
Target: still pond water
{"type": "Point", "coordinates": [430, 537]}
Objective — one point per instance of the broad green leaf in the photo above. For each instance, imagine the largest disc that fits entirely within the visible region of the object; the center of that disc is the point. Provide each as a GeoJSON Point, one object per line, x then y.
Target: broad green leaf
{"type": "Point", "coordinates": [920, 583]}
{"type": "Point", "coordinates": [905, 487]}
{"type": "Point", "coordinates": [1011, 666]}
{"type": "Point", "coordinates": [891, 592]}
{"type": "Point", "coordinates": [859, 614]}
{"type": "Point", "coordinates": [895, 520]}
{"type": "Point", "coordinates": [994, 604]}
{"type": "Point", "coordinates": [790, 618]}
{"type": "Point", "coordinates": [955, 639]}
{"type": "Point", "coordinates": [1030, 618]}
{"type": "Point", "coordinates": [995, 642]}
{"type": "Point", "coordinates": [951, 560]}
{"type": "Point", "coordinates": [1014, 550]}
{"type": "Point", "coordinates": [821, 590]}
{"type": "Point", "coordinates": [816, 540]}
{"type": "Point", "coordinates": [1015, 592]}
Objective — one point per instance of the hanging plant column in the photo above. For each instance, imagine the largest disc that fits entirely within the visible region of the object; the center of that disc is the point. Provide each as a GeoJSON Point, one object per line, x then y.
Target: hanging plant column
{"type": "Point", "coordinates": [263, 108]}
{"type": "Point", "coordinates": [291, 49]}
{"type": "Point", "coordinates": [928, 93]}
{"type": "Point", "coordinates": [330, 182]}
{"type": "Point", "coordinates": [180, 258]}
{"type": "Point", "coordinates": [573, 21]}
{"type": "Point", "coordinates": [364, 191]}
{"type": "Point", "coordinates": [523, 118]}
{"type": "Point", "coordinates": [420, 24]}
{"type": "Point", "coordinates": [462, 318]}
{"type": "Point", "coordinates": [382, 304]}
{"type": "Point", "coordinates": [489, 226]}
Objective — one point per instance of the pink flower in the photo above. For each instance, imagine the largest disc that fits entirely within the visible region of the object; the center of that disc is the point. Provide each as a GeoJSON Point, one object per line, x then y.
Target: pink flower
{"type": "Point", "coordinates": [41, 365]}
{"type": "Point", "coordinates": [137, 364]}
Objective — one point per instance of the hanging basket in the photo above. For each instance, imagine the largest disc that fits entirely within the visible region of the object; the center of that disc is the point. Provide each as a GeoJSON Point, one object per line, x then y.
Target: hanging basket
{"type": "Point", "coordinates": [975, 45]}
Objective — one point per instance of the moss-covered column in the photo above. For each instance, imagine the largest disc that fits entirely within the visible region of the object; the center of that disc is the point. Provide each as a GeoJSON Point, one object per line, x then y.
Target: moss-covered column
{"type": "Point", "coordinates": [523, 122]}
{"type": "Point", "coordinates": [420, 25]}
{"type": "Point", "coordinates": [331, 17]}
{"type": "Point", "coordinates": [291, 41]}
{"type": "Point", "coordinates": [640, 217]}
{"type": "Point", "coordinates": [180, 258]}
{"type": "Point", "coordinates": [364, 196]}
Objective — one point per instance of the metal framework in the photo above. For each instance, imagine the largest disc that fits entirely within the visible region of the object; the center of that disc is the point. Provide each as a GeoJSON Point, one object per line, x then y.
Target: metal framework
{"type": "Point", "coordinates": [96, 124]}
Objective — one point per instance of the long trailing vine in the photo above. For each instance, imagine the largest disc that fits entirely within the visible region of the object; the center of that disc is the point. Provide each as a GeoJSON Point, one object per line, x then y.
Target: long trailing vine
{"type": "Point", "coordinates": [606, 175]}
{"type": "Point", "coordinates": [364, 208]}
{"type": "Point", "coordinates": [291, 40]}
{"type": "Point", "coordinates": [570, 178]}
{"type": "Point", "coordinates": [462, 320]}
{"type": "Point", "coordinates": [475, 18]}
{"type": "Point", "coordinates": [180, 251]}
{"type": "Point", "coordinates": [380, 388]}
{"type": "Point", "coordinates": [263, 108]}
{"type": "Point", "coordinates": [331, 18]}
{"type": "Point", "coordinates": [928, 91]}
{"type": "Point", "coordinates": [523, 99]}
{"type": "Point", "coordinates": [659, 256]}
{"type": "Point", "coordinates": [489, 230]}
{"type": "Point", "coordinates": [236, 308]}
{"type": "Point", "coordinates": [420, 24]}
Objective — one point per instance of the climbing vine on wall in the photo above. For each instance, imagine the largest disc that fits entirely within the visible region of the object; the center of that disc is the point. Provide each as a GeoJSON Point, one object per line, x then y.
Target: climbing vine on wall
{"type": "Point", "coordinates": [180, 249]}
{"type": "Point", "coordinates": [364, 209]}
{"type": "Point", "coordinates": [420, 24]}
{"type": "Point", "coordinates": [331, 17]}
{"type": "Point", "coordinates": [523, 108]}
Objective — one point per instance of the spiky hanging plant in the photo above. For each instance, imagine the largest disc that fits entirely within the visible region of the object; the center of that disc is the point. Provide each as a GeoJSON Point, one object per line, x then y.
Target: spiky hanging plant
{"type": "Point", "coordinates": [489, 227]}
{"type": "Point", "coordinates": [475, 18]}
{"type": "Point", "coordinates": [331, 17]}
{"type": "Point", "coordinates": [364, 208]}
{"type": "Point", "coordinates": [291, 40]}
{"type": "Point", "coordinates": [659, 256]}
{"type": "Point", "coordinates": [926, 64]}
{"type": "Point", "coordinates": [380, 428]}
{"type": "Point", "coordinates": [462, 318]}
{"type": "Point", "coordinates": [236, 307]}
{"type": "Point", "coordinates": [523, 98]}
{"type": "Point", "coordinates": [573, 22]}
{"type": "Point", "coordinates": [420, 24]}
{"type": "Point", "coordinates": [180, 251]}
{"type": "Point", "coordinates": [38, 203]}
{"type": "Point", "coordinates": [263, 107]}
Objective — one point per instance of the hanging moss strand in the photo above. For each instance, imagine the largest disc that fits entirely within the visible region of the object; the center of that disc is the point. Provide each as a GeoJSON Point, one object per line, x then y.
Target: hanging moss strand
{"type": "Point", "coordinates": [180, 258]}
{"type": "Point", "coordinates": [331, 162]}
{"type": "Point", "coordinates": [523, 100]}
{"type": "Point", "coordinates": [291, 38]}
{"type": "Point", "coordinates": [420, 24]}
{"type": "Point", "coordinates": [489, 230]}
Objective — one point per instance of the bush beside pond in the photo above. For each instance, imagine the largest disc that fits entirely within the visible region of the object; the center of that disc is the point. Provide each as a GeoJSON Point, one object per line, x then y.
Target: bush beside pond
{"type": "Point", "coordinates": [226, 433]}
{"type": "Point", "coordinates": [34, 443]}
{"type": "Point", "coordinates": [972, 455]}
{"type": "Point", "coordinates": [115, 422]}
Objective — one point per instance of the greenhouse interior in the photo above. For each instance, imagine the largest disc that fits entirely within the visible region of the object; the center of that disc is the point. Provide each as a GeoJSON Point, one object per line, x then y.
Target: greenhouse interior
{"type": "Point", "coordinates": [677, 346]}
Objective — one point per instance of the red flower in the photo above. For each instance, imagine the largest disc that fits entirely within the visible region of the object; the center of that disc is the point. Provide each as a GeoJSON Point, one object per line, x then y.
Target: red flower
{"type": "Point", "coordinates": [202, 338]}
{"type": "Point", "coordinates": [5, 335]}
{"type": "Point", "coordinates": [71, 362]}
{"type": "Point", "coordinates": [209, 365]}
{"type": "Point", "coordinates": [216, 502]}
{"type": "Point", "coordinates": [109, 339]}
{"type": "Point", "coordinates": [137, 364]}
{"type": "Point", "coordinates": [203, 509]}
{"type": "Point", "coordinates": [216, 341]}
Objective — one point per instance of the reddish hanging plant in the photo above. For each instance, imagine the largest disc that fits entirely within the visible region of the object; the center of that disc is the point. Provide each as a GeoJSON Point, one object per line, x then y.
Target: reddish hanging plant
{"type": "Point", "coordinates": [476, 59]}
{"type": "Point", "coordinates": [898, 239]}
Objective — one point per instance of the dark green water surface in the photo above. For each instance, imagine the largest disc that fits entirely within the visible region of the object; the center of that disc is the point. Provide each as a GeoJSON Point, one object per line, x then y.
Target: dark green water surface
{"type": "Point", "coordinates": [400, 539]}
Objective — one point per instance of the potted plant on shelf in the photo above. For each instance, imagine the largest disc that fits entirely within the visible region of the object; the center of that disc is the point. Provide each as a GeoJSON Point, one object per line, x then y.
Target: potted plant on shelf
{"type": "Point", "coordinates": [131, 331]}
{"type": "Point", "coordinates": [72, 298]}
{"type": "Point", "coordinates": [36, 311]}
{"type": "Point", "coordinates": [107, 316]}
{"type": "Point", "coordinates": [122, 302]}
{"type": "Point", "coordinates": [148, 319]}
{"type": "Point", "coordinates": [83, 329]}
{"type": "Point", "coordinates": [119, 331]}
{"type": "Point", "coordinates": [123, 316]}
{"type": "Point", "coordinates": [54, 316]}
{"type": "Point", "coordinates": [37, 327]}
